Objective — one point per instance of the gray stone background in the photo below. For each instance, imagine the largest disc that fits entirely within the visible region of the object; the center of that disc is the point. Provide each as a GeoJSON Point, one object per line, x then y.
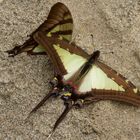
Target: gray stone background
{"type": "Point", "coordinates": [115, 25]}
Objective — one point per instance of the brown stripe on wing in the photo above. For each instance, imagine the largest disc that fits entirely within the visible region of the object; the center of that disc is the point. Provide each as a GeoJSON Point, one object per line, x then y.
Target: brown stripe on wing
{"type": "Point", "coordinates": [63, 29]}
{"type": "Point", "coordinates": [72, 48]}
{"type": "Point", "coordinates": [118, 78]}
{"type": "Point", "coordinates": [47, 44]}
{"type": "Point", "coordinates": [66, 32]}
{"type": "Point", "coordinates": [59, 21]}
{"type": "Point", "coordinates": [49, 24]}
{"type": "Point", "coordinates": [97, 94]}
{"type": "Point", "coordinates": [56, 16]}
{"type": "Point", "coordinates": [66, 21]}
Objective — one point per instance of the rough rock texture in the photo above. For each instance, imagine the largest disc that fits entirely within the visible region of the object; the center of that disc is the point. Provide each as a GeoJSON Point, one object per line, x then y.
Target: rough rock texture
{"type": "Point", "coordinates": [115, 25]}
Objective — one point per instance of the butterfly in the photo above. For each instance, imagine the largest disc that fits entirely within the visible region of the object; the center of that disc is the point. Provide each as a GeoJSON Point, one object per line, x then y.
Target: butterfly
{"type": "Point", "coordinates": [80, 78]}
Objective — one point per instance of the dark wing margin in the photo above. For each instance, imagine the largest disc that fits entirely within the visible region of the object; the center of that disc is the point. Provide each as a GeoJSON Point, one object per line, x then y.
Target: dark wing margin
{"type": "Point", "coordinates": [96, 95]}
{"type": "Point", "coordinates": [59, 15]}
{"type": "Point", "coordinates": [131, 95]}
{"type": "Point", "coordinates": [48, 42]}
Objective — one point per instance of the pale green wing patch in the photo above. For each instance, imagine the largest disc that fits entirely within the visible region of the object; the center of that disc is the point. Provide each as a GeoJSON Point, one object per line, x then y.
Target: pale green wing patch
{"type": "Point", "coordinates": [97, 79]}
{"type": "Point", "coordinates": [67, 27]}
{"type": "Point", "coordinates": [68, 16]}
{"type": "Point", "coordinates": [63, 30]}
{"type": "Point", "coordinates": [71, 62]}
{"type": "Point", "coordinates": [38, 49]}
{"type": "Point", "coordinates": [62, 27]}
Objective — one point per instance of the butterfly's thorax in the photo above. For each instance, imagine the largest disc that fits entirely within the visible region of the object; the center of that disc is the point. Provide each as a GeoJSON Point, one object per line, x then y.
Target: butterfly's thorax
{"type": "Point", "coordinates": [78, 77]}
{"type": "Point", "coordinates": [92, 59]}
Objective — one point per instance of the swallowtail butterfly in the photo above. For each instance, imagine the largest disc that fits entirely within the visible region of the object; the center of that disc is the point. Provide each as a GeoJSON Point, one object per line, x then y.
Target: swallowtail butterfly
{"type": "Point", "coordinates": [80, 78]}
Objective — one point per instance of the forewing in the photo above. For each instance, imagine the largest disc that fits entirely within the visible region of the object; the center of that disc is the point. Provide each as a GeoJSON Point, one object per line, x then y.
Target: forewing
{"type": "Point", "coordinates": [103, 77]}
{"type": "Point", "coordinates": [69, 59]}
{"type": "Point", "coordinates": [104, 83]}
{"type": "Point", "coordinates": [118, 78]}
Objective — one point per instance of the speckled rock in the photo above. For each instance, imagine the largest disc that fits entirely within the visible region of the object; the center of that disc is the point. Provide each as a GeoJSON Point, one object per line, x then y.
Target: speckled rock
{"type": "Point", "coordinates": [24, 80]}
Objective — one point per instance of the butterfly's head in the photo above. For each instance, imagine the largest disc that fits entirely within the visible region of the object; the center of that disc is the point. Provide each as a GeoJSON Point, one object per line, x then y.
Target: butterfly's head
{"type": "Point", "coordinates": [96, 54]}
{"type": "Point", "coordinates": [68, 91]}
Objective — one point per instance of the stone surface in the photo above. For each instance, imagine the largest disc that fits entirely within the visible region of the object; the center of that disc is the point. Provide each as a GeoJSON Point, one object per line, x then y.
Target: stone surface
{"type": "Point", "coordinates": [115, 25]}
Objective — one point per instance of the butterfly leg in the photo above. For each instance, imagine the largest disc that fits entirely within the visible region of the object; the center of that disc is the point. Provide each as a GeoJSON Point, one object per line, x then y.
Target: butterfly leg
{"type": "Point", "coordinates": [79, 103]}
{"type": "Point", "coordinates": [54, 82]}
{"type": "Point", "coordinates": [57, 84]}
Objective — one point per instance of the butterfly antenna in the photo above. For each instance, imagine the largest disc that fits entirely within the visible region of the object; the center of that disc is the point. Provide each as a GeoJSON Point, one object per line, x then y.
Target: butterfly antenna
{"type": "Point", "coordinates": [107, 52]}
{"type": "Point", "coordinates": [68, 107]}
{"type": "Point", "coordinates": [100, 48]}
{"type": "Point", "coordinates": [92, 42]}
